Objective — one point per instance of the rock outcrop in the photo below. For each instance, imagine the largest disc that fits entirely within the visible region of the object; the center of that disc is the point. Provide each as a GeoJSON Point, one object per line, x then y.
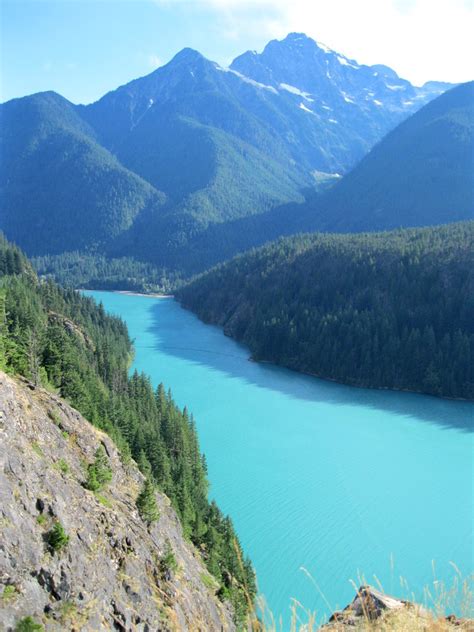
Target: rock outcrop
{"type": "Point", "coordinates": [114, 572]}
{"type": "Point", "coordinates": [375, 611]}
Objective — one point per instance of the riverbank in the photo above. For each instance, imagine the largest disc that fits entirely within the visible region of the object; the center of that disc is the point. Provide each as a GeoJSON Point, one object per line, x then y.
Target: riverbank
{"type": "Point", "coordinates": [345, 383]}
{"type": "Point", "coordinates": [146, 294]}
{"type": "Point", "coordinates": [128, 293]}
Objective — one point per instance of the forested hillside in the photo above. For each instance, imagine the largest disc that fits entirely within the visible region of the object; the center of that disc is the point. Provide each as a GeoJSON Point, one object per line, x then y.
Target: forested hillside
{"type": "Point", "coordinates": [156, 167]}
{"type": "Point", "coordinates": [60, 190]}
{"type": "Point", "coordinates": [95, 271]}
{"type": "Point", "coordinates": [384, 310]}
{"type": "Point", "coordinates": [420, 174]}
{"type": "Point", "coordinates": [66, 343]}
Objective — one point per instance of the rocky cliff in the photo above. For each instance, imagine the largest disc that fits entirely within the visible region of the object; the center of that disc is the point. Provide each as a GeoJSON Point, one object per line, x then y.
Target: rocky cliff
{"type": "Point", "coordinates": [113, 572]}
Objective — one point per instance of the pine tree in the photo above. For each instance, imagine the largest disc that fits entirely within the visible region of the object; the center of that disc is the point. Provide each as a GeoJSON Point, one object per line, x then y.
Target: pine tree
{"type": "Point", "coordinates": [146, 503]}
{"type": "Point", "coordinates": [99, 473]}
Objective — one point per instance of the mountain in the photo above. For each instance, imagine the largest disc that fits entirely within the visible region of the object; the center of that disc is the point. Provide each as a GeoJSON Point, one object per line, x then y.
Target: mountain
{"type": "Point", "coordinates": [59, 188]}
{"type": "Point", "coordinates": [82, 493]}
{"type": "Point", "coordinates": [357, 104]}
{"type": "Point", "coordinates": [420, 174]}
{"type": "Point", "coordinates": [151, 166]}
{"type": "Point", "coordinates": [381, 310]}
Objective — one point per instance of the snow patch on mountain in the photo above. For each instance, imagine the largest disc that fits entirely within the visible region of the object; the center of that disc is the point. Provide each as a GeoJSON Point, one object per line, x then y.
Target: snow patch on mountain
{"type": "Point", "coordinates": [297, 91]}
{"type": "Point", "coordinates": [302, 106]}
{"type": "Point", "coordinates": [347, 98]}
{"type": "Point", "coordinates": [323, 47]}
{"type": "Point", "coordinates": [245, 79]}
{"type": "Point", "coordinates": [345, 62]}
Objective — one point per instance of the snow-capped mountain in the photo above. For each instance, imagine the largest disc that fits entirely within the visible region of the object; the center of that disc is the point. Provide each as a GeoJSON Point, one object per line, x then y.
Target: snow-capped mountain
{"type": "Point", "coordinates": [157, 161]}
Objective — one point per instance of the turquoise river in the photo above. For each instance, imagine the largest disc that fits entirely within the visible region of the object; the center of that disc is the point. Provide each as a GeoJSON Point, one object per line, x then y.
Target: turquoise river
{"type": "Point", "coordinates": [325, 483]}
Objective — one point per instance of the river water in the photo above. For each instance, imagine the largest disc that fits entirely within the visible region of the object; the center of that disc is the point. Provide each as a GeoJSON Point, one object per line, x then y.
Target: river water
{"type": "Point", "coordinates": [326, 484]}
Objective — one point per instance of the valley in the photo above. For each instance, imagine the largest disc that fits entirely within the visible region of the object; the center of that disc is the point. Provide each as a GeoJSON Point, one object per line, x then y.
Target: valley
{"type": "Point", "coordinates": [236, 320]}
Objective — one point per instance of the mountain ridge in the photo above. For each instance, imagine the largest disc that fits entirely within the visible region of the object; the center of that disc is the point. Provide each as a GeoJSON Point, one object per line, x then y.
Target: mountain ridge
{"type": "Point", "coordinates": [151, 166]}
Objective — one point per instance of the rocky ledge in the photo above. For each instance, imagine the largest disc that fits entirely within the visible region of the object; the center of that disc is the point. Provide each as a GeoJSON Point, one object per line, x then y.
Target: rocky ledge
{"type": "Point", "coordinates": [373, 610]}
{"type": "Point", "coordinates": [114, 572]}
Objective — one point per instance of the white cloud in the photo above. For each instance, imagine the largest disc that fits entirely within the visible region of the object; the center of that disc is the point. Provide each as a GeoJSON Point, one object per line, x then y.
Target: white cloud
{"type": "Point", "coordinates": [420, 39]}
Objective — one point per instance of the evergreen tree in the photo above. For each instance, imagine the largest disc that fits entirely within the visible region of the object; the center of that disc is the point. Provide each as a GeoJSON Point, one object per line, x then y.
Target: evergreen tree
{"type": "Point", "coordinates": [146, 503]}
{"type": "Point", "coordinates": [84, 355]}
{"type": "Point", "coordinates": [99, 473]}
{"type": "Point", "coordinates": [390, 310]}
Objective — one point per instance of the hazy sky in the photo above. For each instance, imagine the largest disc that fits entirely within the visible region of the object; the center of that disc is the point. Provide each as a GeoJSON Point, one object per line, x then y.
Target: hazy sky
{"type": "Point", "coordinates": [83, 48]}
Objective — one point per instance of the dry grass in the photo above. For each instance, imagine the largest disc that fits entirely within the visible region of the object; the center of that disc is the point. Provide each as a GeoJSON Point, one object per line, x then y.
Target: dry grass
{"type": "Point", "coordinates": [438, 602]}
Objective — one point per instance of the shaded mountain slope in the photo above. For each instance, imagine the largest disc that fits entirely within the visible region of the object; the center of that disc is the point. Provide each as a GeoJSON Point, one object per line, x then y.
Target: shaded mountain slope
{"type": "Point", "coordinates": [59, 189]}
{"type": "Point", "coordinates": [422, 173]}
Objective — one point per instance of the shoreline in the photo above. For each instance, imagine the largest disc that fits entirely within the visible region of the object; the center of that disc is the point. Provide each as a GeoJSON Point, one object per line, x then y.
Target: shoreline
{"type": "Point", "coordinates": [126, 292]}
{"type": "Point", "coordinates": [150, 294]}
{"type": "Point", "coordinates": [391, 389]}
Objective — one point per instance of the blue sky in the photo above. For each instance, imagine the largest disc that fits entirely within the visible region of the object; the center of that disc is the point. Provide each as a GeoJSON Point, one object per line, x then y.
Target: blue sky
{"type": "Point", "coordinates": [83, 48]}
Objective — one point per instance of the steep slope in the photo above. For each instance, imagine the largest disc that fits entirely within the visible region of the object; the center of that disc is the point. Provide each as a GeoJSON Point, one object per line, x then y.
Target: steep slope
{"type": "Point", "coordinates": [384, 310]}
{"type": "Point", "coordinates": [59, 189]}
{"type": "Point", "coordinates": [420, 174]}
{"type": "Point", "coordinates": [68, 344]}
{"type": "Point", "coordinates": [115, 572]}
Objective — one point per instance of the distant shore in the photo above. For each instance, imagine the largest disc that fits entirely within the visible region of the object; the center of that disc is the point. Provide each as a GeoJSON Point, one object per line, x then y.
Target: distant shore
{"type": "Point", "coordinates": [127, 292]}
{"type": "Point", "coordinates": [151, 294]}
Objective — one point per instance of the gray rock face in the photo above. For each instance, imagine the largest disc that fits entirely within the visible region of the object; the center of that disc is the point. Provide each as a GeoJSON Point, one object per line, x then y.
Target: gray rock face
{"type": "Point", "coordinates": [109, 575]}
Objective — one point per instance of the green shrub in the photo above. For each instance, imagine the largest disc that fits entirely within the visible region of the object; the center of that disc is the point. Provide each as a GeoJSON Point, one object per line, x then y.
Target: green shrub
{"type": "Point", "coordinates": [168, 563]}
{"type": "Point", "coordinates": [62, 466]}
{"type": "Point", "coordinates": [9, 593]}
{"type": "Point", "coordinates": [57, 538]}
{"type": "Point", "coordinates": [37, 449]}
{"type": "Point", "coordinates": [54, 416]}
{"type": "Point", "coordinates": [103, 500]}
{"type": "Point", "coordinates": [28, 624]}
